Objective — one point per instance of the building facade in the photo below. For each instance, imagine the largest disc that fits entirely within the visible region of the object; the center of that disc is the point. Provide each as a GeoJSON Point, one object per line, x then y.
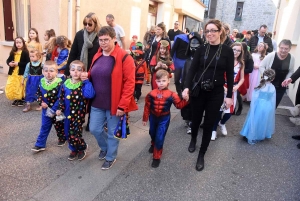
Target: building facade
{"type": "Point", "coordinates": [66, 16]}
{"type": "Point", "coordinates": [242, 14]}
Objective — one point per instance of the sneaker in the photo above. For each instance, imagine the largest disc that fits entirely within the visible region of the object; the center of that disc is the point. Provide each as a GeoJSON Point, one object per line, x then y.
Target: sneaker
{"type": "Point", "coordinates": [61, 143]}
{"type": "Point", "coordinates": [136, 100]}
{"type": "Point", "coordinates": [155, 163]}
{"type": "Point", "coordinates": [27, 108]}
{"type": "Point", "coordinates": [151, 149]}
{"type": "Point", "coordinates": [223, 129]}
{"type": "Point", "coordinates": [20, 103]}
{"type": "Point", "coordinates": [72, 155]}
{"type": "Point", "coordinates": [14, 103]}
{"type": "Point", "coordinates": [147, 83]}
{"type": "Point", "coordinates": [81, 155]}
{"type": "Point", "coordinates": [186, 124]}
{"type": "Point", "coordinates": [102, 155]}
{"type": "Point", "coordinates": [214, 135]}
{"type": "Point", "coordinates": [38, 149]}
{"type": "Point", "coordinates": [189, 130]}
{"type": "Point", "coordinates": [108, 164]}
{"type": "Point", "coordinates": [38, 108]}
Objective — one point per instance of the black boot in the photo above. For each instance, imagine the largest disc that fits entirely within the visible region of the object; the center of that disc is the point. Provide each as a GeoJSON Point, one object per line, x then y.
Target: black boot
{"type": "Point", "coordinates": [155, 163]}
{"type": "Point", "coordinates": [240, 102]}
{"type": "Point", "coordinates": [200, 162]}
{"type": "Point", "coordinates": [192, 146]}
{"type": "Point", "coordinates": [296, 137]}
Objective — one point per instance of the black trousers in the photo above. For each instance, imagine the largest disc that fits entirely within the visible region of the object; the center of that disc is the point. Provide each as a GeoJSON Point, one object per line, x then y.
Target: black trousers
{"type": "Point", "coordinates": [177, 77]}
{"type": "Point", "coordinates": [279, 94]}
{"type": "Point", "coordinates": [138, 91]}
{"type": "Point", "coordinates": [210, 102]}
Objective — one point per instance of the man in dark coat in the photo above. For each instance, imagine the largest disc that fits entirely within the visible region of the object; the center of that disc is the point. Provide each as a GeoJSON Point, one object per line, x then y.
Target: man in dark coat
{"type": "Point", "coordinates": [261, 36]}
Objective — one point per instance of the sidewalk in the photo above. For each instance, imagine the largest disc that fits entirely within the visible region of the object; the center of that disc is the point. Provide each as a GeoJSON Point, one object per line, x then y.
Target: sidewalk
{"type": "Point", "coordinates": [3, 79]}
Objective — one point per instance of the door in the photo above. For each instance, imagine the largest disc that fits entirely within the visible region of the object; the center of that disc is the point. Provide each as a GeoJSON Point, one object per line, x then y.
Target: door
{"type": "Point", "coordinates": [8, 22]}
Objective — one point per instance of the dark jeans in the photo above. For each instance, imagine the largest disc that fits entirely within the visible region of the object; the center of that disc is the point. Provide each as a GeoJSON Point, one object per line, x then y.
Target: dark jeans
{"type": "Point", "coordinates": [138, 91]}
{"type": "Point", "coordinates": [210, 102]}
{"type": "Point", "coordinates": [279, 94]}
{"type": "Point", "coordinates": [177, 77]}
{"type": "Point", "coordinates": [221, 119]}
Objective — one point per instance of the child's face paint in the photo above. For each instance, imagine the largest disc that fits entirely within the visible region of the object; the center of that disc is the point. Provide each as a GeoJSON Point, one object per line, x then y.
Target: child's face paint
{"type": "Point", "coordinates": [75, 71]}
{"type": "Point", "coordinates": [163, 82]}
{"type": "Point", "coordinates": [49, 72]}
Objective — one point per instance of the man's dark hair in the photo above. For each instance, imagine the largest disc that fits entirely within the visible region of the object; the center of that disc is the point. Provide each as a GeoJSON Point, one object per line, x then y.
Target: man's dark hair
{"type": "Point", "coordinates": [264, 26]}
{"type": "Point", "coordinates": [248, 32]}
{"type": "Point", "coordinates": [285, 42]}
{"type": "Point", "coordinates": [107, 30]}
{"type": "Point", "coordinates": [110, 16]}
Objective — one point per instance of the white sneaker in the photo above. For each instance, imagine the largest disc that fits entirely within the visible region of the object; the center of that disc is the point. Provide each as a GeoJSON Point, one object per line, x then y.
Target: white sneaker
{"type": "Point", "coordinates": [188, 130]}
{"type": "Point", "coordinates": [214, 135]}
{"type": "Point", "coordinates": [223, 129]}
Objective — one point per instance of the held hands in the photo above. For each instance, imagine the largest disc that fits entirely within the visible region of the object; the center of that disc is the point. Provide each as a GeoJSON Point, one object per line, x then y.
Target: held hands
{"type": "Point", "coordinates": [286, 82]}
{"type": "Point", "coordinates": [58, 112]}
{"type": "Point", "coordinates": [185, 94]}
{"type": "Point", "coordinates": [144, 123]}
{"type": "Point", "coordinates": [84, 76]}
{"type": "Point", "coordinates": [44, 105]}
{"type": "Point", "coordinates": [235, 88]}
{"type": "Point", "coordinates": [228, 102]}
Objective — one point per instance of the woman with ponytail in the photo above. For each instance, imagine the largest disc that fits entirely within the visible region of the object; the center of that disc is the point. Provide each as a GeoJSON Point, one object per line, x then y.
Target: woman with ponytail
{"type": "Point", "coordinates": [260, 121]}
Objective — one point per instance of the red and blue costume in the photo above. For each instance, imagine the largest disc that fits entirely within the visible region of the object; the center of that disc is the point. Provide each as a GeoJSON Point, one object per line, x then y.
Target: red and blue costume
{"type": "Point", "coordinates": [157, 109]}
{"type": "Point", "coordinates": [72, 103]}
{"type": "Point", "coordinates": [49, 93]}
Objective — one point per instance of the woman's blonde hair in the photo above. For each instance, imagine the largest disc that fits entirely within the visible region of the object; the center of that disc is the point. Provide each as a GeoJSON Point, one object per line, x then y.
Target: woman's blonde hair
{"type": "Point", "coordinates": [93, 17]}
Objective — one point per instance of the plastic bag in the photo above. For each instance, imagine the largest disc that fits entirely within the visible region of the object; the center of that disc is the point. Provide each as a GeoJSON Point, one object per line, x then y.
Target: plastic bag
{"type": "Point", "coordinates": [122, 129]}
{"type": "Point", "coordinates": [60, 117]}
{"type": "Point", "coordinates": [50, 113]}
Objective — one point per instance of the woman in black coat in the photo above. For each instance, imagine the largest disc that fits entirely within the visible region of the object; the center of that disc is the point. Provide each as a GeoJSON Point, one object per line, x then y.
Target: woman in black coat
{"type": "Point", "coordinates": [85, 44]}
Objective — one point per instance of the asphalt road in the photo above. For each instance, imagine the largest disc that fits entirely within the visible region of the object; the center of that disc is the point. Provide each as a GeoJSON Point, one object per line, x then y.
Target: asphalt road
{"type": "Point", "coordinates": [234, 170]}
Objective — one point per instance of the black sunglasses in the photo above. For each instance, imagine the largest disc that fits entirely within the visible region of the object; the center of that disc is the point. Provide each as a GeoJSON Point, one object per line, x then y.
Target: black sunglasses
{"type": "Point", "coordinates": [90, 24]}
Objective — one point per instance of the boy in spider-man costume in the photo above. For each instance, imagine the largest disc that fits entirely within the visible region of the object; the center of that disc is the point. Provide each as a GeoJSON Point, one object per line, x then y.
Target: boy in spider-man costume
{"type": "Point", "coordinates": [157, 108]}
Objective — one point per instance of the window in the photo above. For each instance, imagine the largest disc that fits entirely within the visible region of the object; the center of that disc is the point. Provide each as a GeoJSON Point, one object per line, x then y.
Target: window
{"type": "Point", "coordinates": [192, 24]}
{"type": "Point", "coordinates": [239, 11]}
{"type": "Point", "coordinates": [206, 3]}
{"type": "Point", "coordinates": [16, 18]}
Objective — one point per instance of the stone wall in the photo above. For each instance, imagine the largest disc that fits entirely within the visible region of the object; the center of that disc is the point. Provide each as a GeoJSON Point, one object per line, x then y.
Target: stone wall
{"type": "Point", "coordinates": [255, 13]}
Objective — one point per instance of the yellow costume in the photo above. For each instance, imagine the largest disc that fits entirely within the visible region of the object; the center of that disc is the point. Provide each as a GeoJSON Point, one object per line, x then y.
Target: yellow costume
{"type": "Point", "coordinates": [14, 90]}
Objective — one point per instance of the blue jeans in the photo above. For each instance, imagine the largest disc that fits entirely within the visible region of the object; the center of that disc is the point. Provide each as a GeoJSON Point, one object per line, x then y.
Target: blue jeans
{"type": "Point", "coordinates": [106, 141]}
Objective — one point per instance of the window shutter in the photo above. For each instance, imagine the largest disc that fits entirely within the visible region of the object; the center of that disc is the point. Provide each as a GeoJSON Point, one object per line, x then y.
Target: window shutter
{"type": "Point", "coordinates": [8, 22]}
{"type": "Point", "coordinates": [212, 9]}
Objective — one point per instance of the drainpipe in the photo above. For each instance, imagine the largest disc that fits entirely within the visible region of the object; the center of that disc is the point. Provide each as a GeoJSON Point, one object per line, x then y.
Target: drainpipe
{"type": "Point", "coordinates": [77, 15]}
{"type": "Point", "coordinates": [70, 6]}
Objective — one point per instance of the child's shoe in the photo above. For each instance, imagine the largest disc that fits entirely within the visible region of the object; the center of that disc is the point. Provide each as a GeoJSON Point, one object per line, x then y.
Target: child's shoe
{"type": "Point", "coordinates": [20, 103]}
{"type": "Point", "coordinates": [38, 149]}
{"type": "Point", "coordinates": [38, 108]}
{"type": "Point", "coordinates": [14, 103]}
{"type": "Point", "coordinates": [61, 143]}
{"type": "Point", "coordinates": [155, 163]}
{"type": "Point", "coordinates": [223, 128]}
{"type": "Point", "coordinates": [27, 108]}
{"type": "Point", "coordinates": [82, 154]}
{"type": "Point", "coordinates": [147, 83]}
{"type": "Point", "coordinates": [72, 155]}
{"type": "Point", "coordinates": [188, 130]}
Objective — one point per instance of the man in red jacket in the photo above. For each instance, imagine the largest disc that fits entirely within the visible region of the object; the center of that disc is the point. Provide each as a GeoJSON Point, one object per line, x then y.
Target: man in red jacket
{"type": "Point", "coordinates": [113, 76]}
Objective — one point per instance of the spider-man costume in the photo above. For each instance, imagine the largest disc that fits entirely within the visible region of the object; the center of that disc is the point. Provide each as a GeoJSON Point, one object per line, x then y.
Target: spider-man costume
{"type": "Point", "coordinates": [157, 109]}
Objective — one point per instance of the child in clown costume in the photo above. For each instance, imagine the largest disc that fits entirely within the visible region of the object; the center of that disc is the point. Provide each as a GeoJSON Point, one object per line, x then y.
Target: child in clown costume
{"type": "Point", "coordinates": [72, 103]}
{"type": "Point", "coordinates": [47, 94]}
{"type": "Point", "coordinates": [157, 109]}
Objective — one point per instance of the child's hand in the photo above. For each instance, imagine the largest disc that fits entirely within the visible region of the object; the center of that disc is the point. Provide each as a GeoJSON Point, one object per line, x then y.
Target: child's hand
{"type": "Point", "coordinates": [58, 112]}
{"type": "Point", "coordinates": [44, 105]}
{"type": "Point", "coordinates": [235, 88]}
{"type": "Point", "coordinates": [164, 66]}
{"type": "Point", "coordinates": [84, 76]}
{"type": "Point", "coordinates": [11, 64]}
{"type": "Point", "coordinates": [144, 123]}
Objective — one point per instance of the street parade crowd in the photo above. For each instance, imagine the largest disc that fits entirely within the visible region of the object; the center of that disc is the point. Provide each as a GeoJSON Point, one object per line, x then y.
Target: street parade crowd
{"type": "Point", "coordinates": [215, 71]}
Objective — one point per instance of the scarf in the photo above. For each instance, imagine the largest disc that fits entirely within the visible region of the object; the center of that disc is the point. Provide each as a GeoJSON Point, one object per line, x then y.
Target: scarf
{"type": "Point", "coordinates": [88, 43]}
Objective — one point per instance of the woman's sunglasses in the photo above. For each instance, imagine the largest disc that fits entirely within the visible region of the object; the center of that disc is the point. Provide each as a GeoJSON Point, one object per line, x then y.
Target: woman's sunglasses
{"type": "Point", "coordinates": [89, 24]}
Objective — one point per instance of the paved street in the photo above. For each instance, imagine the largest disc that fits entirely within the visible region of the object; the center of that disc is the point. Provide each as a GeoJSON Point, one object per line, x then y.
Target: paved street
{"type": "Point", "coordinates": [234, 170]}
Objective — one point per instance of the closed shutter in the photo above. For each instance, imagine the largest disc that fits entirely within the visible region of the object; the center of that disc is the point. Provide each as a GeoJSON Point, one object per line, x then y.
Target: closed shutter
{"type": "Point", "coordinates": [8, 22]}
{"type": "Point", "coordinates": [212, 9]}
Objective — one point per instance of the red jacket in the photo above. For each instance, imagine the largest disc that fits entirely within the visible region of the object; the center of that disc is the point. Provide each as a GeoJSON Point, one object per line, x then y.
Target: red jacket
{"type": "Point", "coordinates": [123, 80]}
{"type": "Point", "coordinates": [140, 71]}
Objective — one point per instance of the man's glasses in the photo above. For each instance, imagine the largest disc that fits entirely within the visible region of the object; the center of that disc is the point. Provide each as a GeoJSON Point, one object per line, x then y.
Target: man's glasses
{"type": "Point", "coordinates": [89, 24]}
{"type": "Point", "coordinates": [235, 50]}
{"type": "Point", "coordinates": [106, 40]}
{"type": "Point", "coordinates": [176, 24]}
{"type": "Point", "coordinates": [153, 32]}
{"type": "Point", "coordinates": [211, 31]}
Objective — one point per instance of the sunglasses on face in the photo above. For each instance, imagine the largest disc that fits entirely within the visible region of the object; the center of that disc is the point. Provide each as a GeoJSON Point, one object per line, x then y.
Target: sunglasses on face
{"type": "Point", "coordinates": [89, 24]}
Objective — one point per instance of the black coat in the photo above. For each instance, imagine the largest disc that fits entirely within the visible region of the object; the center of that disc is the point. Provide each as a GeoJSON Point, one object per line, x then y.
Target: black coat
{"type": "Point", "coordinates": [295, 77]}
{"type": "Point", "coordinates": [76, 51]}
{"type": "Point", "coordinates": [254, 40]}
{"type": "Point", "coordinates": [22, 63]}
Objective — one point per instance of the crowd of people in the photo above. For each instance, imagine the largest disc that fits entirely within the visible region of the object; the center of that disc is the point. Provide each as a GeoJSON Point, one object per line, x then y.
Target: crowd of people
{"type": "Point", "coordinates": [214, 71]}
